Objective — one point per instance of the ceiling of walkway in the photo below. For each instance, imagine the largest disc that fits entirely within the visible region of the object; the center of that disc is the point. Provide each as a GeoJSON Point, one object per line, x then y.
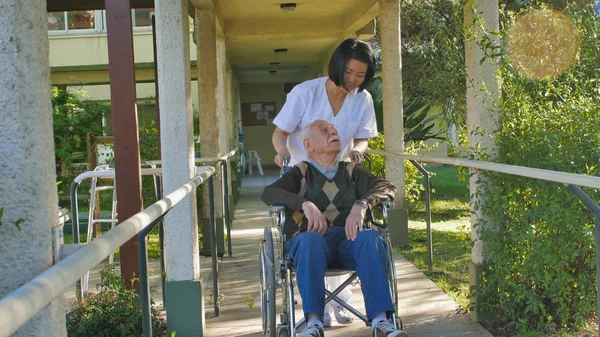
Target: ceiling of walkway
{"type": "Point", "coordinates": [253, 29]}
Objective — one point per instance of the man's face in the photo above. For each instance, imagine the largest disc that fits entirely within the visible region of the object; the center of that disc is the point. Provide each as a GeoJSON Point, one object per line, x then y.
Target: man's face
{"type": "Point", "coordinates": [325, 138]}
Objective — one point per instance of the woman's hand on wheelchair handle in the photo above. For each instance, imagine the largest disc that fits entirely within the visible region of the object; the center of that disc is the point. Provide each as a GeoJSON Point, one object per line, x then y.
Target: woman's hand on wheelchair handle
{"type": "Point", "coordinates": [279, 158]}
{"type": "Point", "coordinates": [355, 221]}
{"type": "Point", "coordinates": [316, 219]}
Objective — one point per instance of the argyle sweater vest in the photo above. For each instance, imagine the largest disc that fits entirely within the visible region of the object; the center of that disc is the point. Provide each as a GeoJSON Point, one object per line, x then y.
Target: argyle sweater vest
{"type": "Point", "coordinates": [334, 197]}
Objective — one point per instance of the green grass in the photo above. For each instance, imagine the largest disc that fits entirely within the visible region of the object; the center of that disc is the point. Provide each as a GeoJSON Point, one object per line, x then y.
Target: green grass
{"type": "Point", "coordinates": [451, 236]}
{"type": "Point", "coordinates": [449, 197]}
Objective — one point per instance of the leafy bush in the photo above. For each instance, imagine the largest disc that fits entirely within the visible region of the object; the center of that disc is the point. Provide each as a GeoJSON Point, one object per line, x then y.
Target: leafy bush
{"type": "Point", "coordinates": [113, 311]}
{"type": "Point", "coordinates": [411, 174]}
{"type": "Point", "coordinates": [539, 239]}
{"type": "Point", "coordinates": [73, 118]}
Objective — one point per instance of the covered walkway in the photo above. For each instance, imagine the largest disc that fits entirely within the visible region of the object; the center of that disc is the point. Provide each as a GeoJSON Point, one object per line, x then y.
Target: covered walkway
{"type": "Point", "coordinates": [425, 309]}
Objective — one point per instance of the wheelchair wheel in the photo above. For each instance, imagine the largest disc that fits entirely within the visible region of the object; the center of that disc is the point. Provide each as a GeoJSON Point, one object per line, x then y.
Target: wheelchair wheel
{"type": "Point", "coordinates": [393, 284]}
{"type": "Point", "coordinates": [267, 284]}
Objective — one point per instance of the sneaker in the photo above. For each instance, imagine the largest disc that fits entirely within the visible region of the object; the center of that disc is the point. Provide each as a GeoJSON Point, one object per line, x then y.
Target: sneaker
{"type": "Point", "coordinates": [326, 320]}
{"type": "Point", "coordinates": [342, 315]}
{"type": "Point", "coordinates": [312, 331]}
{"type": "Point", "coordinates": [386, 329]}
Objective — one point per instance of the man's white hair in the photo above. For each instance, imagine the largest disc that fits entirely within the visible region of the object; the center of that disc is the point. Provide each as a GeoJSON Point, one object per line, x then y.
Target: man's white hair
{"type": "Point", "coordinates": [307, 132]}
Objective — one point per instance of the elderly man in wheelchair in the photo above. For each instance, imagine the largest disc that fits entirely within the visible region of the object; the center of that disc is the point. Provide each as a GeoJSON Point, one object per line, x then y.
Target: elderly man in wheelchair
{"type": "Point", "coordinates": [327, 202]}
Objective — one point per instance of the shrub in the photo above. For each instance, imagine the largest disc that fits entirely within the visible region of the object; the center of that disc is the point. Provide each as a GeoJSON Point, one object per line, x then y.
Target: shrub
{"type": "Point", "coordinates": [411, 187]}
{"type": "Point", "coordinates": [73, 118]}
{"type": "Point", "coordinates": [113, 311]}
{"type": "Point", "coordinates": [539, 241]}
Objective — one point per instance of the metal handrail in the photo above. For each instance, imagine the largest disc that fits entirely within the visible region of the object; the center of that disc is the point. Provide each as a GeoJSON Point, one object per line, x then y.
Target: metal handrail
{"type": "Point", "coordinates": [523, 171]}
{"type": "Point", "coordinates": [21, 305]}
{"type": "Point", "coordinates": [570, 180]}
{"type": "Point", "coordinates": [223, 161]}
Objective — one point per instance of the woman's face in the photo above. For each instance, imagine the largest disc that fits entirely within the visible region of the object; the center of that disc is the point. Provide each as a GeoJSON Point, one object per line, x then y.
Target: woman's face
{"type": "Point", "coordinates": [354, 74]}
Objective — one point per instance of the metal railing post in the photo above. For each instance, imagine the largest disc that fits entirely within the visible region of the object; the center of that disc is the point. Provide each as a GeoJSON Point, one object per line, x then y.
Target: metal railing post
{"type": "Point", "coordinates": [427, 213]}
{"type": "Point", "coordinates": [161, 242]}
{"type": "Point", "coordinates": [75, 212]}
{"type": "Point", "coordinates": [144, 278]}
{"type": "Point", "coordinates": [75, 230]}
{"type": "Point", "coordinates": [225, 177]}
{"type": "Point", "coordinates": [592, 206]}
{"type": "Point", "coordinates": [144, 286]}
{"type": "Point", "coordinates": [213, 244]}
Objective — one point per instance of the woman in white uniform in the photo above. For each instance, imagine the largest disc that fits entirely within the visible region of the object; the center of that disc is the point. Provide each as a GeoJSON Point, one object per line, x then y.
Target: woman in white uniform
{"type": "Point", "coordinates": [342, 100]}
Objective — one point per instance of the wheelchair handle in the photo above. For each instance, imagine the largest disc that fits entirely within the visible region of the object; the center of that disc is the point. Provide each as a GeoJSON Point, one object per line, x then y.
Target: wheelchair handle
{"type": "Point", "coordinates": [285, 162]}
{"type": "Point", "coordinates": [384, 204]}
{"type": "Point", "coordinates": [357, 157]}
{"type": "Point", "coordinates": [276, 209]}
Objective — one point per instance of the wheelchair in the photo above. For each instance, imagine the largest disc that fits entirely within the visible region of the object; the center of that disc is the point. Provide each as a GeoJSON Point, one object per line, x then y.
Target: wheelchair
{"type": "Point", "coordinates": [277, 272]}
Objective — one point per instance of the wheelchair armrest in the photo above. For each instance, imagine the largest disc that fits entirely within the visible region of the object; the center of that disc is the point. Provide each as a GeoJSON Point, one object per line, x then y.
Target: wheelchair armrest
{"type": "Point", "coordinates": [384, 204]}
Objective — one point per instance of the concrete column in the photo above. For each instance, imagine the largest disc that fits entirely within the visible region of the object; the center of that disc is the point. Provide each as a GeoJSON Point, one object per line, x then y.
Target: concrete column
{"type": "Point", "coordinates": [28, 195]}
{"type": "Point", "coordinates": [482, 120]}
{"type": "Point", "coordinates": [232, 130]}
{"type": "Point", "coordinates": [212, 139]}
{"type": "Point", "coordinates": [184, 293]}
{"type": "Point", "coordinates": [222, 89]}
{"type": "Point", "coordinates": [392, 114]}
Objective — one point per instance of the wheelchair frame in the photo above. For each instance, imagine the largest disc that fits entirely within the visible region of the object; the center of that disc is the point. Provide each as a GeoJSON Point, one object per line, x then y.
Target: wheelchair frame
{"type": "Point", "coordinates": [281, 275]}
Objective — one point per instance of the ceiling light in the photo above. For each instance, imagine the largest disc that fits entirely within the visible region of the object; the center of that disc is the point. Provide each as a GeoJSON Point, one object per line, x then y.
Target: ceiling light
{"type": "Point", "coordinates": [280, 51]}
{"type": "Point", "coordinates": [272, 72]}
{"type": "Point", "coordinates": [288, 7]}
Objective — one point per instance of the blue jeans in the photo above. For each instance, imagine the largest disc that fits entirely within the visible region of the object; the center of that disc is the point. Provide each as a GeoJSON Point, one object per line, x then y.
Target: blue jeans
{"type": "Point", "coordinates": [312, 253]}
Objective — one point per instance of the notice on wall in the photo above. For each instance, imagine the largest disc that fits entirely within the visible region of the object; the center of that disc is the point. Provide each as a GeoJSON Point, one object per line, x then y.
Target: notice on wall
{"type": "Point", "coordinates": [262, 115]}
{"type": "Point", "coordinates": [255, 107]}
{"type": "Point", "coordinates": [258, 113]}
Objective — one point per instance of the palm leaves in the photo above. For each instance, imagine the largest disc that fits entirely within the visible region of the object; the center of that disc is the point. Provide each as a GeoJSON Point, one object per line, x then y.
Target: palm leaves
{"type": "Point", "coordinates": [418, 125]}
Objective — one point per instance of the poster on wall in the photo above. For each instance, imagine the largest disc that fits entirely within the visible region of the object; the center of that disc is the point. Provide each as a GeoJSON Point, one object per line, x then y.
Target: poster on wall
{"type": "Point", "coordinates": [258, 113]}
{"type": "Point", "coordinates": [255, 107]}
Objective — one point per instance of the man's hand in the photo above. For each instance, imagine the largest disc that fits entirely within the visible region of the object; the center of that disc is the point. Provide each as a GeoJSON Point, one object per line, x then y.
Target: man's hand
{"type": "Point", "coordinates": [316, 219]}
{"type": "Point", "coordinates": [279, 158]}
{"type": "Point", "coordinates": [354, 222]}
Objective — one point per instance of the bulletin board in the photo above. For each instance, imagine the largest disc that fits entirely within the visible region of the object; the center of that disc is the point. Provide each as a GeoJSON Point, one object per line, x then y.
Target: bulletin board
{"type": "Point", "coordinates": [258, 113]}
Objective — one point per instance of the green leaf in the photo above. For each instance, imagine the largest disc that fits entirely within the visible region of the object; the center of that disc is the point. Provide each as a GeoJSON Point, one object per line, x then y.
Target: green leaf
{"type": "Point", "coordinates": [19, 222]}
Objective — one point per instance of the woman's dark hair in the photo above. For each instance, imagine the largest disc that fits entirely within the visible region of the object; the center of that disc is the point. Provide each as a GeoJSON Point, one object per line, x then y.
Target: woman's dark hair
{"type": "Point", "coordinates": [347, 50]}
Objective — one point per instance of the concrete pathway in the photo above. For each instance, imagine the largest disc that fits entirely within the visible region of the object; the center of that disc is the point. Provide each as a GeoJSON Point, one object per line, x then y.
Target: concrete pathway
{"type": "Point", "coordinates": [425, 309]}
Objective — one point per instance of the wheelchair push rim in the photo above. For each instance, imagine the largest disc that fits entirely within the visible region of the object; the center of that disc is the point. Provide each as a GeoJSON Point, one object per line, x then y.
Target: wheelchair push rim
{"type": "Point", "coordinates": [268, 285]}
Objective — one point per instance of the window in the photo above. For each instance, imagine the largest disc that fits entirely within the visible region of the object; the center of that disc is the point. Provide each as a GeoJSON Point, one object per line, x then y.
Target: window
{"type": "Point", "coordinates": [90, 22]}
{"type": "Point", "coordinates": [75, 21]}
{"type": "Point", "coordinates": [142, 17]}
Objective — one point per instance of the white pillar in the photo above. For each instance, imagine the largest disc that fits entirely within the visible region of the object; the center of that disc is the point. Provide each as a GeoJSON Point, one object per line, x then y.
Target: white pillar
{"type": "Point", "coordinates": [481, 116]}
{"type": "Point", "coordinates": [391, 54]}
{"type": "Point", "coordinates": [183, 289]}
{"type": "Point", "coordinates": [481, 124]}
{"type": "Point", "coordinates": [28, 183]}
{"type": "Point", "coordinates": [392, 94]}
